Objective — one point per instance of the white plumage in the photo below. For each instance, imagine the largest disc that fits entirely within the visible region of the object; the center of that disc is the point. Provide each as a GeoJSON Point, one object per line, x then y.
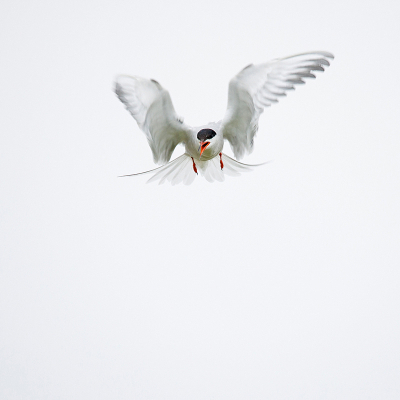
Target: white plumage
{"type": "Point", "coordinates": [250, 91]}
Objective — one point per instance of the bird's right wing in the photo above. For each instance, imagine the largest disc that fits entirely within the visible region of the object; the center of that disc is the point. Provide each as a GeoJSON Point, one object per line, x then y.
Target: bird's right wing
{"type": "Point", "coordinates": [151, 106]}
{"type": "Point", "coordinates": [259, 86]}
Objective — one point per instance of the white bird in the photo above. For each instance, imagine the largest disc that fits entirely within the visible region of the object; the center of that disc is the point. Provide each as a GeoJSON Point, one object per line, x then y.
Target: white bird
{"type": "Point", "coordinates": [250, 91]}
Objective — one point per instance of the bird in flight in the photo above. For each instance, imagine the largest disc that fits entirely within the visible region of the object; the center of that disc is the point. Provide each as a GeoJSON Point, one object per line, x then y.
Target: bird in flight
{"type": "Point", "coordinates": [250, 91]}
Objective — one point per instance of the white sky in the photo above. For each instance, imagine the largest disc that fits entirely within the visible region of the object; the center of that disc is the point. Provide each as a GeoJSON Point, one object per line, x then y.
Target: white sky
{"type": "Point", "coordinates": [280, 284]}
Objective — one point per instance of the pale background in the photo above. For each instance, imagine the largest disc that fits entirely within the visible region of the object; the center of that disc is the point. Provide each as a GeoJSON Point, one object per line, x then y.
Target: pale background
{"type": "Point", "coordinates": [280, 284]}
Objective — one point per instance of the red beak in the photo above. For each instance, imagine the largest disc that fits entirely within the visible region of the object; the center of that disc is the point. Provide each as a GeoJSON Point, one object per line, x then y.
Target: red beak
{"type": "Point", "coordinates": [203, 146]}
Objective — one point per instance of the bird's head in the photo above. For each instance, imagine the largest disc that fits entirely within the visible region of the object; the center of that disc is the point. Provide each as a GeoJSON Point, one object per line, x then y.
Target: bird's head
{"type": "Point", "coordinates": [205, 137]}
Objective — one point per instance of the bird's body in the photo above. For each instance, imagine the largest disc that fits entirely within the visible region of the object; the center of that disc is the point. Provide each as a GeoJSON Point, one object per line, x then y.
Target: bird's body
{"type": "Point", "coordinates": [250, 91]}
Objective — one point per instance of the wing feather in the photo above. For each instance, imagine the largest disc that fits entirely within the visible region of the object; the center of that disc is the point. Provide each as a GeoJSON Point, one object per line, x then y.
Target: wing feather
{"type": "Point", "coordinates": [151, 106]}
{"type": "Point", "coordinates": [258, 86]}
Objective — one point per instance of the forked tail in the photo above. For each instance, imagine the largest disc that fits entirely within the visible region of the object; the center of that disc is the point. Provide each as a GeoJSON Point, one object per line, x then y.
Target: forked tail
{"type": "Point", "coordinates": [182, 170]}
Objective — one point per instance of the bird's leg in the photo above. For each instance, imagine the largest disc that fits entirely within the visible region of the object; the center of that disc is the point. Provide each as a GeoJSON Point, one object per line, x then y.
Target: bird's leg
{"type": "Point", "coordinates": [194, 166]}
{"type": "Point", "coordinates": [220, 161]}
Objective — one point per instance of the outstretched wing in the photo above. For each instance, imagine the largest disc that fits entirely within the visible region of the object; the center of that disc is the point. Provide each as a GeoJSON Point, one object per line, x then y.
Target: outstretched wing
{"type": "Point", "coordinates": [151, 106]}
{"type": "Point", "coordinates": [259, 86]}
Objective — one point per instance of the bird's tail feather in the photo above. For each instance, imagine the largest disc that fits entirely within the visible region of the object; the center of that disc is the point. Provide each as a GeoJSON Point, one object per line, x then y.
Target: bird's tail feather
{"type": "Point", "coordinates": [181, 170]}
{"type": "Point", "coordinates": [176, 171]}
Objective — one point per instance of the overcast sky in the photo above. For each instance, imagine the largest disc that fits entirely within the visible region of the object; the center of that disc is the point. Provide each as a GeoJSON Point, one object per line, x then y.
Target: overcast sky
{"type": "Point", "coordinates": [280, 284]}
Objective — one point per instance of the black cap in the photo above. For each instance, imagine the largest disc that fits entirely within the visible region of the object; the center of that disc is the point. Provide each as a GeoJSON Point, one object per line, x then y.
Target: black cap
{"type": "Point", "coordinates": [205, 134]}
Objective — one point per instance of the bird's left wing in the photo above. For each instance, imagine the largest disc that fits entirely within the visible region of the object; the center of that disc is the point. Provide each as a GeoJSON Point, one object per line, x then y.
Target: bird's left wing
{"type": "Point", "coordinates": [151, 106]}
{"type": "Point", "coordinates": [259, 86]}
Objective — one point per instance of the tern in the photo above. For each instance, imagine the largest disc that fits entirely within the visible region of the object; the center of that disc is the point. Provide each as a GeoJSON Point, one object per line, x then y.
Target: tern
{"type": "Point", "coordinates": [254, 88]}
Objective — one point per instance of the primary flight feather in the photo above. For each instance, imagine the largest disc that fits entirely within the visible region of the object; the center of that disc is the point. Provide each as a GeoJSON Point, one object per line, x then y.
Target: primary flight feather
{"type": "Point", "coordinates": [250, 91]}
